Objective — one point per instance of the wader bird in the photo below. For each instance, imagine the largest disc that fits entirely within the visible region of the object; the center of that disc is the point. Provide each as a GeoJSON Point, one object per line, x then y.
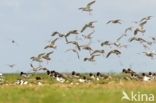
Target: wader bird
{"type": "Point", "coordinates": [88, 36]}
{"type": "Point", "coordinates": [52, 44]}
{"type": "Point", "coordinates": [38, 58]}
{"type": "Point", "coordinates": [97, 52]}
{"type": "Point", "coordinates": [88, 8]}
{"type": "Point", "coordinates": [72, 32]}
{"type": "Point", "coordinates": [47, 56]}
{"type": "Point", "coordinates": [91, 58]}
{"type": "Point", "coordinates": [57, 33]}
{"type": "Point", "coordinates": [117, 21]}
{"type": "Point", "coordinates": [116, 52]}
{"type": "Point", "coordinates": [74, 43]}
{"type": "Point", "coordinates": [88, 25]}
{"type": "Point", "coordinates": [75, 51]}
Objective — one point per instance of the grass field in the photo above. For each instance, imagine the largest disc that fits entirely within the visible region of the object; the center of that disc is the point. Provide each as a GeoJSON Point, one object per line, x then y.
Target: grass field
{"type": "Point", "coordinates": [73, 93]}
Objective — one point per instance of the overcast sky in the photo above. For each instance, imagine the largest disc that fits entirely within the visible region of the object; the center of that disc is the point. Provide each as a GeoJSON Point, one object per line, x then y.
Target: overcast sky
{"type": "Point", "coordinates": [31, 22]}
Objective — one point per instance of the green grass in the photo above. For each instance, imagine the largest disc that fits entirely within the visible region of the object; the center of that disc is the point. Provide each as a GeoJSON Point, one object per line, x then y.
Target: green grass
{"type": "Point", "coordinates": [52, 92]}
{"type": "Point", "coordinates": [66, 93]}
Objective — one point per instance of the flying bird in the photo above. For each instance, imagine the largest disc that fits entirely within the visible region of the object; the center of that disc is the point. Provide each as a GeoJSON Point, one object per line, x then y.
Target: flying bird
{"type": "Point", "coordinates": [38, 58]}
{"type": "Point", "coordinates": [52, 44]}
{"type": "Point", "coordinates": [74, 43]}
{"type": "Point", "coordinates": [57, 33]}
{"type": "Point", "coordinates": [116, 52]}
{"type": "Point", "coordinates": [139, 30]}
{"type": "Point", "coordinates": [72, 32]}
{"type": "Point", "coordinates": [98, 52]}
{"type": "Point", "coordinates": [88, 36]}
{"type": "Point", "coordinates": [47, 56]}
{"type": "Point", "coordinates": [88, 8]}
{"type": "Point", "coordinates": [106, 43]}
{"type": "Point", "coordinates": [91, 58]}
{"type": "Point", "coordinates": [146, 18]}
{"type": "Point", "coordinates": [88, 25]}
{"type": "Point", "coordinates": [117, 21]}
{"type": "Point", "coordinates": [150, 54]}
{"type": "Point", "coordinates": [75, 51]}
{"type": "Point", "coordinates": [11, 65]}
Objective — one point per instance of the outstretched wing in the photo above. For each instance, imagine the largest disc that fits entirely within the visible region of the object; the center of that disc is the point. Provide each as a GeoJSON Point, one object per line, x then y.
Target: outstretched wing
{"type": "Point", "coordinates": [89, 4]}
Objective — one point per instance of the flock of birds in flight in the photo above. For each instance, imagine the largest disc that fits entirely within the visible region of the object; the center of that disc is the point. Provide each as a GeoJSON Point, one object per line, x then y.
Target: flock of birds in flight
{"type": "Point", "coordinates": [136, 34]}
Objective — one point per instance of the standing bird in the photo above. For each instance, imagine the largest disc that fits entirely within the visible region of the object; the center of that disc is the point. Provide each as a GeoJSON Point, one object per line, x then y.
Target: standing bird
{"type": "Point", "coordinates": [88, 25]}
{"type": "Point", "coordinates": [88, 8]}
{"type": "Point", "coordinates": [117, 52]}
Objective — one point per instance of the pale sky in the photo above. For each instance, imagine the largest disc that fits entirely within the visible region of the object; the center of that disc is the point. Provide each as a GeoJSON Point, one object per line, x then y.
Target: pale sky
{"type": "Point", "coordinates": [31, 22]}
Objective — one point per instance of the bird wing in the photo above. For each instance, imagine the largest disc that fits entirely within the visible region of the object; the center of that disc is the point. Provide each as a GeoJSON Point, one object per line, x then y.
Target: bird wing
{"type": "Point", "coordinates": [90, 3]}
{"type": "Point", "coordinates": [109, 22]}
{"type": "Point", "coordinates": [109, 54]}
{"type": "Point", "coordinates": [53, 41]}
{"type": "Point", "coordinates": [49, 53]}
{"type": "Point", "coordinates": [40, 55]}
{"type": "Point", "coordinates": [84, 28]}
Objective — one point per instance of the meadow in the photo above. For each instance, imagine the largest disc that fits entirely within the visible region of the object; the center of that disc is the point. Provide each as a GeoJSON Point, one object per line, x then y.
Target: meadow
{"type": "Point", "coordinates": [54, 92]}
